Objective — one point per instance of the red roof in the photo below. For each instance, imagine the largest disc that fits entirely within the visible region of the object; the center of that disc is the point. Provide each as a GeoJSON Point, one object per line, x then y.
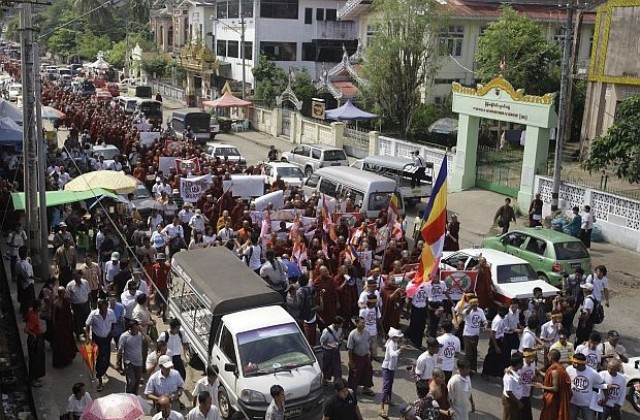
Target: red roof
{"type": "Point", "coordinates": [226, 101]}
{"type": "Point", "coordinates": [491, 11]}
{"type": "Point", "coordinates": [348, 89]}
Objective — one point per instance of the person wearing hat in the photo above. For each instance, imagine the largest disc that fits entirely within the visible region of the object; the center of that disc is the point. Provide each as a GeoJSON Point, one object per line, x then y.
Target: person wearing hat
{"type": "Point", "coordinates": [585, 321]}
{"type": "Point", "coordinates": [111, 270]}
{"type": "Point", "coordinates": [512, 389]}
{"type": "Point", "coordinates": [185, 214]}
{"type": "Point", "coordinates": [129, 359]}
{"type": "Point", "coordinates": [556, 389]}
{"type": "Point", "coordinates": [197, 222]}
{"type": "Point", "coordinates": [612, 350]}
{"type": "Point", "coordinates": [427, 361]}
{"type": "Point", "coordinates": [474, 320]}
{"type": "Point", "coordinates": [99, 329]}
{"type": "Point", "coordinates": [371, 315]}
{"type": "Point", "coordinates": [527, 374]}
{"type": "Point", "coordinates": [61, 235]}
{"type": "Point", "coordinates": [177, 342]}
{"type": "Point", "coordinates": [583, 380]}
{"type": "Point", "coordinates": [389, 365]}
{"type": "Point", "coordinates": [165, 386]}
{"type": "Point", "coordinates": [549, 331]}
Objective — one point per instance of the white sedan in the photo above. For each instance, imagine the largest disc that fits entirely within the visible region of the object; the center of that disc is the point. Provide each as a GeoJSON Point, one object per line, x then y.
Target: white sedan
{"type": "Point", "coordinates": [289, 173]}
{"type": "Point", "coordinates": [512, 277]}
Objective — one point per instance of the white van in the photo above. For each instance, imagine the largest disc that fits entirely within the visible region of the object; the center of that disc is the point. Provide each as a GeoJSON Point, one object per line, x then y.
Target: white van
{"type": "Point", "coordinates": [369, 191]}
{"type": "Point", "coordinates": [401, 170]}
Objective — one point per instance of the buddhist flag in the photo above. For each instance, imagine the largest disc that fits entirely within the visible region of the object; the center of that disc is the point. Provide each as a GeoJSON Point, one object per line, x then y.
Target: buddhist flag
{"type": "Point", "coordinates": [351, 253]}
{"type": "Point", "coordinates": [434, 227]}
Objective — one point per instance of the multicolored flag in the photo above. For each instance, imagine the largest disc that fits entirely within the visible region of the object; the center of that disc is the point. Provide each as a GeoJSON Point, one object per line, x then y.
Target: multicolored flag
{"type": "Point", "coordinates": [351, 253]}
{"type": "Point", "coordinates": [434, 227]}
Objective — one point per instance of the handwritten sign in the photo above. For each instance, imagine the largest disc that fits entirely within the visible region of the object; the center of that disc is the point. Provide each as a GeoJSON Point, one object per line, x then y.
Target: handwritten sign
{"type": "Point", "coordinates": [192, 188]}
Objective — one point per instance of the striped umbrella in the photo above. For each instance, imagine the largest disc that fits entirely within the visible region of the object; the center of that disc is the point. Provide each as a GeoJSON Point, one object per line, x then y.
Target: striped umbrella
{"type": "Point", "coordinates": [49, 113]}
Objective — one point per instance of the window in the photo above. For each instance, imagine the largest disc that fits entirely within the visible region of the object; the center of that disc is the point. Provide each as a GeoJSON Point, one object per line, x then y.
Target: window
{"type": "Point", "coordinates": [319, 14]}
{"type": "Point", "coordinates": [316, 153]}
{"type": "Point", "coordinates": [232, 49]}
{"type": "Point", "coordinates": [379, 200]}
{"type": "Point", "coordinates": [221, 48]}
{"type": "Point", "coordinates": [279, 9]}
{"type": "Point", "coordinates": [515, 239]}
{"type": "Point", "coordinates": [537, 246]}
{"type": "Point", "coordinates": [570, 251]}
{"type": "Point", "coordinates": [334, 155]}
{"type": "Point", "coordinates": [370, 35]}
{"type": "Point", "coordinates": [234, 9]}
{"type": "Point", "coordinates": [327, 187]}
{"type": "Point", "coordinates": [453, 260]}
{"type": "Point", "coordinates": [312, 181]}
{"type": "Point", "coordinates": [301, 150]}
{"type": "Point", "coordinates": [331, 15]}
{"type": "Point", "coordinates": [221, 10]}
{"type": "Point", "coordinates": [279, 51]}
{"type": "Point", "coordinates": [226, 345]}
{"type": "Point", "coordinates": [451, 41]}
{"type": "Point", "coordinates": [515, 273]}
{"type": "Point", "coordinates": [308, 16]}
{"type": "Point", "coordinates": [247, 8]}
{"type": "Point", "coordinates": [248, 50]}
{"type": "Point", "coordinates": [308, 51]}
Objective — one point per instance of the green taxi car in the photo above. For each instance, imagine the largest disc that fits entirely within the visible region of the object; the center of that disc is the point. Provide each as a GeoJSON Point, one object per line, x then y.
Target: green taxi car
{"type": "Point", "coordinates": [549, 252]}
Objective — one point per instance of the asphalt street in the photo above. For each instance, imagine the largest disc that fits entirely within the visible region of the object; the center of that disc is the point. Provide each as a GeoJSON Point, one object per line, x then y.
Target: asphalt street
{"type": "Point", "coordinates": [475, 209]}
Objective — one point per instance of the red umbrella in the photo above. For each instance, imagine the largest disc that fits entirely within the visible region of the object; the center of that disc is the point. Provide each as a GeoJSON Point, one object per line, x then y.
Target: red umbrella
{"type": "Point", "coordinates": [114, 407]}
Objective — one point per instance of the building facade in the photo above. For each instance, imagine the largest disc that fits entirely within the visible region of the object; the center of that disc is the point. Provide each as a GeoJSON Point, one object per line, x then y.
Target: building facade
{"type": "Point", "coordinates": [614, 71]}
{"type": "Point", "coordinates": [305, 34]}
{"type": "Point", "coordinates": [459, 39]}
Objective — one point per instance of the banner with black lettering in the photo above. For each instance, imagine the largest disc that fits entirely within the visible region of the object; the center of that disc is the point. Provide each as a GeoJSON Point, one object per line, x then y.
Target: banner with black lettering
{"type": "Point", "coordinates": [192, 188]}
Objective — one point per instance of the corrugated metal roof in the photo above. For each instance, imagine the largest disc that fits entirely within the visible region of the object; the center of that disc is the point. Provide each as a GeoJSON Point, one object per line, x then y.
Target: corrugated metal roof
{"type": "Point", "coordinates": [537, 10]}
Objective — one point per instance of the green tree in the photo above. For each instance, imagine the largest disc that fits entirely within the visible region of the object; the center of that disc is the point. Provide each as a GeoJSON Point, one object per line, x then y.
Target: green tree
{"type": "Point", "coordinates": [89, 45]}
{"type": "Point", "coordinates": [302, 85]}
{"type": "Point", "coordinates": [529, 60]}
{"type": "Point", "coordinates": [158, 66]}
{"type": "Point", "coordinates": [62, 43]}
{"type": "Point", "coordinates": [270, 81]}
{"type": "Point", "coordinates": [402, 56]}
{"type": "Point", "coordinates": [619, 149]}
{"type": "Point", "coordinates": [100, 15]}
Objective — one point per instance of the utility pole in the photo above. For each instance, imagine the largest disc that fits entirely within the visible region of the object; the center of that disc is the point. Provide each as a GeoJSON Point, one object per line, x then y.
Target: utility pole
{"type": "Point", "coordinates": [41, 151]}
{"type": "Point", "coordinates": [563, 105]}
{"type": "Point", "coordinates": [30, 143]}
{"type": "Point", "coordinates": [244, 68]}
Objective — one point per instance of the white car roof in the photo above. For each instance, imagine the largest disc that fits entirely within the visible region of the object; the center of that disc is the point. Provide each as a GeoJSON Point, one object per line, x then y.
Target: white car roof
{"type": "Point", "coordinates": [492, 255]}
{"type": "Point", "coordinates": [281, 165]}
{"type": "Point", "coordinates": [253, 319]}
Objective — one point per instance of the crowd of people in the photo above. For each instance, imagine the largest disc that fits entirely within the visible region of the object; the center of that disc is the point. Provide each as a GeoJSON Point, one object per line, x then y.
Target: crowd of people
{"type": "Point", "coordinates": [343, 277]}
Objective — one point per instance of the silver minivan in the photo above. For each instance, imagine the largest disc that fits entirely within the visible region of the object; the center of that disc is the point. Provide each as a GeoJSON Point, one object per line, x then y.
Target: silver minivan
{"type": "Point", "coordinates": [311, 157]}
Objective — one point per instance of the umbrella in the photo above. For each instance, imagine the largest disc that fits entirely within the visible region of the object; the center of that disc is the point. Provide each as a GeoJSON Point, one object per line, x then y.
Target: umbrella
{"type": "Point", "coordinates": [49, 113]}
{"type": "Point", "coordinates": [444, 126]}
{"type": "Point", "coordinates": [114, 181]}
{"type": "Point", "coordinates": [10, 111]}
{"type": "Point", "coordinates": [148, 204]}
{"type": "Point", "coordinates": [226, 101]}
{"type": "Point", "coordinates": [10, 132]}
{"type": "Point", "coordinates": [89, 353]}
{"type": "Point", "coordinates": [349, 112]}
{"type": "Point", "coordinates": [114, 407]}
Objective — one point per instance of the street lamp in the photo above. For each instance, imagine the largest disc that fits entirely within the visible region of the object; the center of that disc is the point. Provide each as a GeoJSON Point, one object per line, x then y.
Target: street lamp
{"type": "Point", "coordinates": [242, 36]}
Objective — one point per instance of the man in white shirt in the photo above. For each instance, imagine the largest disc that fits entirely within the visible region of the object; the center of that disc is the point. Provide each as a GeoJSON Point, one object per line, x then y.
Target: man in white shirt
{"type": "Point", "coordinates": [128, 300]}
{"type": "Point", "coordinates": [157, 188]}
{"type": "Point", "coordinates": [587, 226]}
{"type": "Point", "coordinates": [78, 400]}
{"type": "Point", "coordinates": [166, 413]}
{"type": "Point", "coordinates": [512, 389]}
{"type": "Point", "coordinates": [418, 162]}
{"type": "Point", "coordinates": [154, 220]}
{"type": "Point", "coordinates": [99, 328]}
{"type": "Point", "coordinates": [185, 215]}
{"type": "Point", "coordinates": [176, 236]}
{"type": "Point", "coordinates": [197, 222]}
{"type": "Point", "coordinates": [592, 351]}
{"type": "Point", "coordinates": [600, 284]}
{"type": "Point", "coordinates": [449, 350]}
{"type": "Point", "coordinates": [16, 239]}
{"type": "Point", "coordinates": [437, 294]}
{"type": "Point", "coordinates": [615, 392]}
{"type": "Point", "coordinates": [209, 383]}
{"type": "Point", "coordinates": [177, 342]}
{"type": "Point", "coordinates": [527, 375]}
{"type": "Point", "coordinates": [611, 349]}
{"type": "Point", "coordinates": [585, 321]}
{"type": "Point", "coordinates": [78, 291]}
{"type": "Point", "coordinates": [205, 410]}
{"type": "Point", "coordinates": [165, 383]}
{"type": "Point", "coordinates": [111, 269]}
{"type": "Point", "coordinates": [583, 380]}
{"type": "Point", "coordinates": [63, 178]}
{"type": "Point", "coordinates": [371, 315]}
{"type": "Point", "coordinates": [529, 339]}
{"type": "Point", "coordinates": [370, 288]}
{"type": "Point", "coordinates": [474, 319]}
{"type": "Point", "coordinates": [428, 360]}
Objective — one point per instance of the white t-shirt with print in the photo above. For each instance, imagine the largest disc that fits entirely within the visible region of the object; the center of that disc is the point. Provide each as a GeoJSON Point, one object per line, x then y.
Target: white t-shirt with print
{"type": "Point", "coordinates": [473, 321]}
{"type": "Point", "coordinates": [447, 353]}
{"type": "Point", "coordinates": [582, 384]}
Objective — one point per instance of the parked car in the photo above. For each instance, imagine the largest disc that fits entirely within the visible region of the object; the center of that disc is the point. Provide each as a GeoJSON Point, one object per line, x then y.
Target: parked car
{"type": "Point", "coordinates": [289, 173]}
{"type": "Point", "coordinates": [225, 151]}
{"type": "Point", "coordinates": [512, 277]}
{"type": "Point", "coordinates": [311, 157]}
{"type": "Point", "coordinates": [88, 88]}
{"type": "Point", "coordinates": [549, 252]}
{"type": "Point", "coordinates": [631, 371]}
{"type": "Point", "coordinates": [14, 91]}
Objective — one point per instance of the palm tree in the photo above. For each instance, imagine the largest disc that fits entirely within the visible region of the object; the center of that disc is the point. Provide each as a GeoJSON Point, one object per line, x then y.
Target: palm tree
{"type": "Point", "coordinates": [102, 13]}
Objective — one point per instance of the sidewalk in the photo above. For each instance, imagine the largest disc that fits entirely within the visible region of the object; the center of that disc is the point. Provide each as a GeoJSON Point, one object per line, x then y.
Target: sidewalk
{"type": "Point", "coordinates": [265, 140]}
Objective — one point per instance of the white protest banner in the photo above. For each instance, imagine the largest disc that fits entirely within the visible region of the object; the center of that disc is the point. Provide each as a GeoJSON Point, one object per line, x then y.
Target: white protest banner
{"type": "Point", "coordinates": [366, 258]}
{"type": "Point", "coordinates": [192, 188]}
{"type": "Point", "coordinates": [165, 164]}
{"type": "Point", "coordinates": [308, 221]}
{"type": "Point", "coordinates": [147, 138]}
{"type": "Point", "coordinates": [143, 126]}
{"type": "Point", "coordinates": [276, 198]}
{"type": "Point", "coordinates": [245, 185]}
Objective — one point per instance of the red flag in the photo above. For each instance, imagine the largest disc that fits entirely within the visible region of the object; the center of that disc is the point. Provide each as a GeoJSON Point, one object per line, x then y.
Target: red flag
{"type": "Point", "coordinates": [184, 166]}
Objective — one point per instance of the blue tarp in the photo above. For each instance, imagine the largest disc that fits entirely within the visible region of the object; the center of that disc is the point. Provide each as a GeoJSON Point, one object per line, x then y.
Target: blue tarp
{"type": "Point", "coordinates": [348, 112]}
{"type": "Point", "coordinates": [10, 132]}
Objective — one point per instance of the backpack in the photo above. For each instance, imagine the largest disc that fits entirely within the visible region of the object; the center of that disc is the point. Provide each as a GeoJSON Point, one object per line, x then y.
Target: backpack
{"type": "Point", "coordinates": [307, 304]}
{"type": "Point", "coordinates": [597, 315]}
{"type": "Point", "coordinates": [166, 336]}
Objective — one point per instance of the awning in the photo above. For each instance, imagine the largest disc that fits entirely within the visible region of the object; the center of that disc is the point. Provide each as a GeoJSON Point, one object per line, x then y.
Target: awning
{"type": "Point", "coordinates": [226, 101]}
{"type": "Point", "coordinates": [58, 198]}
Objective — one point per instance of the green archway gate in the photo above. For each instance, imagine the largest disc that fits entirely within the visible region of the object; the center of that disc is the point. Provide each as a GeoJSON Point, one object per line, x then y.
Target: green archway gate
{"type": "Point", "coordinates": [507, 173]}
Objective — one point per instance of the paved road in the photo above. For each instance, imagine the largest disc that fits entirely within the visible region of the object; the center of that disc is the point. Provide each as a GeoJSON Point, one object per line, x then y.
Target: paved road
{"type": "Point", "coordinates": [475, 209]}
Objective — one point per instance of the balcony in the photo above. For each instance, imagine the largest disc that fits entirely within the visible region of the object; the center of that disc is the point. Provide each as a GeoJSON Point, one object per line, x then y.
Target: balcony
{"type": "Point", "coordinates": [353, 9]}
{"type": "Point", "coordinates": [336, 30]}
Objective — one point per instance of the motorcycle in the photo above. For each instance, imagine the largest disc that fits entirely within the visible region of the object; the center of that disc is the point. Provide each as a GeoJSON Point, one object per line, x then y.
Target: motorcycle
{"type": "Point", "coordinates": [632, 372]}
